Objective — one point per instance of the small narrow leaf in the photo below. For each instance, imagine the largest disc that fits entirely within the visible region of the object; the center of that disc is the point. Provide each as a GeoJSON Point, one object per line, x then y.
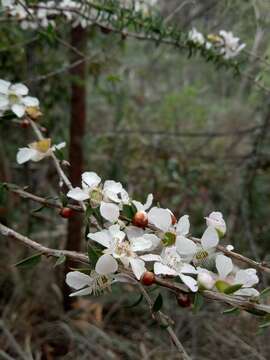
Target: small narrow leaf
{"type": "Point", "coordinates": [234, 311]}
{"type": "Point", "coordinates": [136, 303]}
{"type": "Point", "coordinates": [198, 302]}
{"type": "Point", "coordinates": [158, 303]}
{"type": "Point", "coordinates": [232, 289]}
{"type": "Point", "coordinates": [29, 262]}
{"type": "Point", "coordinates": [265, 292]}
{"type": "Point", "coordinates": [60, 260]}
{"type": "Point", "coordinates": [264, 325]}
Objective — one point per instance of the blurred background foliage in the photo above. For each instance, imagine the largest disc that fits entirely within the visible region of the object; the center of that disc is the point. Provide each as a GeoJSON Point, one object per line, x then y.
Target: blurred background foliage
{"type": "Point", "coordinates": [195, 136]}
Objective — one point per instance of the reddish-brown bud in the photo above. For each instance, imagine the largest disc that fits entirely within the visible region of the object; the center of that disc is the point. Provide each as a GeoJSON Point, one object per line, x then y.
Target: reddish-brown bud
{"type": "Point", "coordinates": [24, 123]}
{"type": "Point", "coordinates": [66, 212]}
{"type": "Point", "coordinates": [184, 300]}
{"type": "Point", "coordinates": [174, 221]}
{"type": "Point", "coordinates": [140, 219]}
{"type": "Point", "coordinates": [148, 278]}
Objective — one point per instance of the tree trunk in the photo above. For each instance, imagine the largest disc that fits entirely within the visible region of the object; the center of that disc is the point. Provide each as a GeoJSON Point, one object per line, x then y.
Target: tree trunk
{"type": "Point", "coordinates": [77, 130]}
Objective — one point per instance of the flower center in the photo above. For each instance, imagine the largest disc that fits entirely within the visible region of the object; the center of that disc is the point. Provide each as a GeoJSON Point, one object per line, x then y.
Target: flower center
{"type": "Point", "coordinates": [13, 98]}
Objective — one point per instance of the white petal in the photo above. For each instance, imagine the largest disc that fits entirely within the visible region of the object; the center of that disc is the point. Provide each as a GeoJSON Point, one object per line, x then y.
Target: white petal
{"type": "Point", "coordinates": [19, 89]}
{"type": "Point", "coordinates": [210, 238]}
{"type": "Point", "coordinates": [78, 194]}
{"type": "Point", "coordinates": [161, 218]}
{"type": "Point", "coordinates": [140, 244]}
{"type": "Point", "coordinates": [30, 101]}
{"type": "Point", "coordinates": [91, 179]}
{"type": "Point", "coordinates": [149, 202]}
{"type": "Point", "coordinates": [183, 225]}
{"type": "Point", "coordinates": [151, 257]}
{"type": "Point", "coordinates": [160, 268]}
{"type": "Point", "coordinates": [190, 282]}
{"type": "Point", "coordinates": [77, 279]}
{"type": "Point", "coordinates": [60, 146]}
{"type": "Point", "coordinates": [247, 277]}
{"type": "Point", "coordinates": [185, 246]}
{"type": "Point", "coordinates": [188, 269]}
{"type": "Point", "coordinates": [24, 155]}
{"type": "Point", "coordinates": [86, 291]}
{"type": "Point", "coordinates": [116, 232]}
{"type": "Point", "coordinates": [106, 264]}
{"type": "Point", "coordinates": [3, 101]}
{"type": "Point", "coordinates": [247, 292]}
{"type": "Point", "coordinates": [109, 211]}
{"type": "Point", "coordinates": [133, 232]}
{"type": "Point", "coordinates": [102, 237]}
{"type": "Point", "coordinates": [224, 265]}
{"type": "Point", "coordinates": [18, 109]}
{"type": "Point", "coordinates": [4, 86]}
{"type": "Point", "coordinates": [155, 240]}
{"type": "Point", "coordinates": [139, 206]}
{"type": "Point", "coordinates": [138, 267]}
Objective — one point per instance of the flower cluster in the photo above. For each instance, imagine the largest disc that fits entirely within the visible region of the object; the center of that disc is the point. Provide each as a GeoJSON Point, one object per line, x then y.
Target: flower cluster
{"type": "Point", "coordinates": [226, 44]}
{"type": "Point", "coordinates": [142, 237]}
{"type": "Point", "coordinates": [77, 13]}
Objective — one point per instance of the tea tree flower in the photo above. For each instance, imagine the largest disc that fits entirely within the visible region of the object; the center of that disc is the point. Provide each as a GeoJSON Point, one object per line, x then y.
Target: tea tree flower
{"type": "Point", "coordinates": [196, 37]}
{"type": "Point", "coordinates": [90, 183]}
{"type": "Point", "coordinates": [170, 263]}
{"type": "Point", "coordinates": [118, 247]}
{"type": "Point", "coordinates": [14, 98]}
{"type": "Point", "coordinates": [37, 151]}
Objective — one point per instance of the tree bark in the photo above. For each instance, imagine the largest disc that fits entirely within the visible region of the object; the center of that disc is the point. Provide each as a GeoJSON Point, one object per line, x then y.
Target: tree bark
{"type": "Point", "coordinates": [77, 130]}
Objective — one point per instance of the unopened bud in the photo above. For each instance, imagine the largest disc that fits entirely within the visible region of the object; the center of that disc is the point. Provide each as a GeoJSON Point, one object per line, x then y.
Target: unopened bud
{"type": "Point", "coordinates": [140, 219]}
{"type": "Point", "coordinates": [148, 278]}
{"type": "Point", "coordinates": [205, 281]}
{"type": "Point", "coordinates": [184, 300]}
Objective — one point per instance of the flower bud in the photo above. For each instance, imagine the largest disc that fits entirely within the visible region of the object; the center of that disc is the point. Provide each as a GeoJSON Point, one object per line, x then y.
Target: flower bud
{"type": "Point", "coordinates": [148, 278]}
{"type": "Point", "coordinates": [205, 281]}
{"type": "Point", "coordinates": [215, 219]}
{"type": "Point", "coordinates": [66, 212]}
{"type": "Point", "coordinates": [25, 123]}
{"type": "Point", "coordinates": [140, 219]}
{"type": "Point", "coordinates": [184, 300]}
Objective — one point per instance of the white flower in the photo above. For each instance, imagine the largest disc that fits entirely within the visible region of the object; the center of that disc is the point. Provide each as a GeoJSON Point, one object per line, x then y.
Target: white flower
{"type": "Point", "coordinates": [247, 278]}
{"type": "Point", "coordinates": [170, 263]}
{"type": "Point", "coordinates": [118, 247]}
{"type": "Point", "coordinates": [196, 37]}
{"type": "Point", "coordinates": [188, 249]}
{"type": "Point", "coordinates": [230, 44]}
{"type": "Point", "coordinates": [86, 285]}
{"type": "Point", "coordinates": [37, 151]}
{"type": "Point", "coordinates": [114, 191]}
{"type": "Point", "coordinates": [216, 220]}
{"type": "Point", "coordinates": [14, 97]}
{"type": "Point", "coordinates": [90, 181]}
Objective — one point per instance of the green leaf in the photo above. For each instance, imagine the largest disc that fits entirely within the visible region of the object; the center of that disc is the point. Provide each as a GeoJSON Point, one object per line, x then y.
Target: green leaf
{"type": "Point", "coordinates": [60, 260]}
{"type": "Point", "coordinates": [169, 239]}
{"type": "Point", "coordinates": [93, 254]}
{"type": "Point", "coordinates": [29, 262]}
{"type": "Point", "coordinates": [232, 289]}
{"type": "Point", "coordinates": [2, 193]}
{"type": "Point", "coordinates": [59, 154]}
{"type": "Point", "coordinates": [38, 209]}
{"type": "Point", "coordinates": [128, 212]}
{"type": "Point", "coordinates": [136, 303]}
{"type": "Point", "coordinates": [158, 303]}
{"type": "Point", "coordinates": [63, 199]}
{"type": "Point", "coordinates": [265, 292]}
{"type": "Point", "coordinates": [231, 311]}
{"type": "Point", "coordinates": [198, 302]}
